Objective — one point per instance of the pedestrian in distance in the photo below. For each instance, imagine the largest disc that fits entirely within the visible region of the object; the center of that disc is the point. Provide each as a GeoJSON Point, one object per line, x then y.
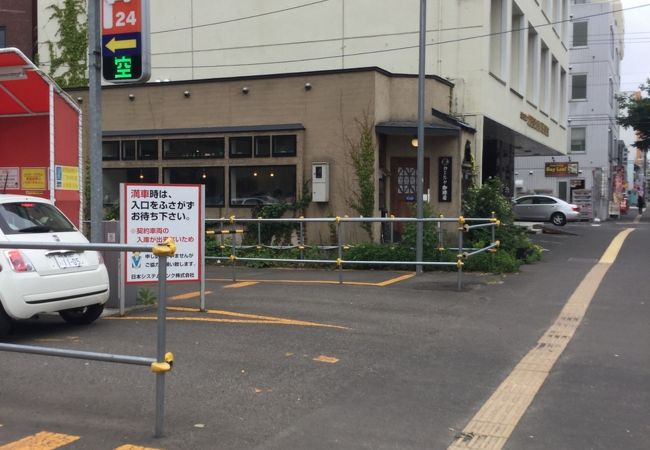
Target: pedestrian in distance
{"type": "Point", "coordinates": [640, 203]}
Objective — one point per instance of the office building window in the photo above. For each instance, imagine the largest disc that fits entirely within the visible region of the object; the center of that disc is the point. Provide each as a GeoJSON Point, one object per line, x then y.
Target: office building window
{"type": "Point", "coordinates": [211, 177]}
{"type": "Point", "coordinates": [579, 87]}
{"type": "Point", "coordinates": [193, 148]}
{"type": "Point", "coordinates": [580, 33]}
{"type": "Point", "coordinates": [252, 186]}
{"type": "Point", "coordinates": [113, 177]}
{"type": "Point", "coordinates": [517, 39]}
{"type": "Point", "coordinates": [544, 72]}
{"type": "Point", "coordinates": [532, 77]}
{"type": "Point", "coordinates": [498, 24]}
{"type": "Point", "coordinates": [128, 150]}
{"type": "Point", "coordinates": [578, 139]}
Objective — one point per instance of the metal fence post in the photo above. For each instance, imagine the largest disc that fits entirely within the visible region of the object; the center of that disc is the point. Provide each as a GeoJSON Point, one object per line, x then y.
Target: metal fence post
{"type": "Point", "coordinates": [392, 230]}
{"type": "Point", "coordinates": [460, 262]}
{"type": "Point", "coordinates": [302, 240]}
{"type": "Point", "coordinates": [441, 244]}
{"type": "Point", "coordinates": [233, 256]}
{"type": "Point", "coordinates": [160, 353]}
{"type": "Point", "coordinates": [340, 244]}
{"type": "Point", "coordinates": [259, 232]}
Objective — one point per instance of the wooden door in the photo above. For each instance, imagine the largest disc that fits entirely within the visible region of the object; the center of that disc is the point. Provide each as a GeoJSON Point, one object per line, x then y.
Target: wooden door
{"type": "Point", "coordinates": [403, 187]}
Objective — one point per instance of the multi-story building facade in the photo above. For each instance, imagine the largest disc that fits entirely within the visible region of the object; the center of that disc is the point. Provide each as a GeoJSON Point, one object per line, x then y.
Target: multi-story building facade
{"type": "Point", "coordinates": [507, 59]}
{"type": "Point", "coordinates": [597, 31]}
{"type": "Point", "coordinates": [18, 25]}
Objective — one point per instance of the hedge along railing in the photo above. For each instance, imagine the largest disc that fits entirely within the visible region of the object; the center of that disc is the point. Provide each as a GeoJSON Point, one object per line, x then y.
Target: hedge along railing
{"type": "Point", "coordinates": [464, 225]}
{"type": "Point", "coordinates": [163, 361]}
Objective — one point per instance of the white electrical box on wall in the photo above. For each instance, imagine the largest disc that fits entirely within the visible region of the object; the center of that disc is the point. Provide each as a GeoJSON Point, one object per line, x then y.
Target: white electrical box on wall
{"type": "Point", "coordinates": [320, 182]}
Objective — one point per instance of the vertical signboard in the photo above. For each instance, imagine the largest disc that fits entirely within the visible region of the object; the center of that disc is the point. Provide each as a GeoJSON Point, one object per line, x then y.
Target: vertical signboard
{"type": "Point", "coordinates": [151, 214]}
{"type": "Point", "coordinates": [125, 41]}
{"type": "Point", "coordinates": [444, 179]}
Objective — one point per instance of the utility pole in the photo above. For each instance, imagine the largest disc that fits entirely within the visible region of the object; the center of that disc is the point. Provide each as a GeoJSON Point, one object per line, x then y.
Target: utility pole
{"type": "Point", "coordinates": [95, 122]}
{"type": "Point", "coordinates": [420, 156]}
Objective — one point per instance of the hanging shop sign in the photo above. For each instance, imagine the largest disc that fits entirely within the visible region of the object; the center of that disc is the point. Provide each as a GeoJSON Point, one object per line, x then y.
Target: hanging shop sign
{"type": "Point", "coordinates": [561, 169]}
{"type": "Point", "coordinates": [444, 179]}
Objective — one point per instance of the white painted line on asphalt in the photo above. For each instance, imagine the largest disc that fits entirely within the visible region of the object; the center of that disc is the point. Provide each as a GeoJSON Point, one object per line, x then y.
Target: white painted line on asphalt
{"type": "Point", "coordinates": [493, 424]}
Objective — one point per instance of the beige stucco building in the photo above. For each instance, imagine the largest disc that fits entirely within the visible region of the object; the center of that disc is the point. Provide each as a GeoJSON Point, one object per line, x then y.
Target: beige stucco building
{"type": "Point", "coordinates": [255, 140]}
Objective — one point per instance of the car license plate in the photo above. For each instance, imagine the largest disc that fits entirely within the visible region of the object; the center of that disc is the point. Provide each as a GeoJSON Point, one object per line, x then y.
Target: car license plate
{"type": "Point", "coordinates": [68, 260]}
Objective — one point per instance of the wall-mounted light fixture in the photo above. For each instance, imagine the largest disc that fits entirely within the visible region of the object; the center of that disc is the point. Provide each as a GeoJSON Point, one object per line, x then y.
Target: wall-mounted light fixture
{"type": "Point", "coordinates": [308, 86]}
{"type": "Point", "coordinates": [80, 99]}
{"type": "Point", "coordinates": [187, 94]}
{"type": "Point", "coordinates": [530, 172]}
{"type": "Point", "coordinates": [244, 90]}
{"type": "Point", "coordinates": [131, 97]}
{"type": "Point", "coordinates": [414, 142]}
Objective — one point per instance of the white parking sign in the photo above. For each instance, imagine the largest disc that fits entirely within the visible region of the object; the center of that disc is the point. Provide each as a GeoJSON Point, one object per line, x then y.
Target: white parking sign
{"type": "Point", "coordinates": [151, 214]}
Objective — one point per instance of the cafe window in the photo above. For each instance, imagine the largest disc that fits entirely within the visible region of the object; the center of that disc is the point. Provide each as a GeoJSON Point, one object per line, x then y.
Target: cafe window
{"type": "Point", "coordinates": [193, 148]}
{"type": "Point", "coordinates": [284, 145]}
{"type": "Point", "coordinates": [147, 150]}
{"type": "Point", "coordinates": [111, 150]}
{"type": "Point", "coordinates": [211, 177]}
{"type": "Point", "coordinates": [113, 177]}
{"type": "Point", "coordinates": [241, 147]}
{"type": "Point", "coordinates": [128, 150]}
{"type": "Point", "coordinates": [262, 146]}
{"type": "Point", "coordinates": [252, 186]}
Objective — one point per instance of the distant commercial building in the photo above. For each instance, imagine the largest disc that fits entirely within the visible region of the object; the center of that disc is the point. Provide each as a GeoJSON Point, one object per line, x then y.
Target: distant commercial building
{"type": "Point", "coordinates": [595, 160]}
{"type": "Point", "coordinates": [18, 25]}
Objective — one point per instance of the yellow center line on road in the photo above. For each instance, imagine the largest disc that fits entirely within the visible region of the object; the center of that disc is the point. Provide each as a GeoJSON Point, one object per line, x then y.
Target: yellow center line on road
{"type": "Point", "coordinates": [134, 447]}
{"type": "Point", "coordinates": [41, 441]}
{"type": "Point", "coordinates": [493, 424]}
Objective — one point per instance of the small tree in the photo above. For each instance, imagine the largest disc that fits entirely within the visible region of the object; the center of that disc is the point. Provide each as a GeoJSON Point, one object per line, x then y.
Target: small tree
{"type": "Point", "coordinates": [362, 154]}
{"type": "Point", "coordinates": [70, 52]}
{"type": "Point", "coordinates": [637, 116]}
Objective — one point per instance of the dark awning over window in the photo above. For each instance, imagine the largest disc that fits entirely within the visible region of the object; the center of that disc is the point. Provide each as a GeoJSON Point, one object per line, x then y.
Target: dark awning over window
{"type": "Point", "coordinates": [411, 129]}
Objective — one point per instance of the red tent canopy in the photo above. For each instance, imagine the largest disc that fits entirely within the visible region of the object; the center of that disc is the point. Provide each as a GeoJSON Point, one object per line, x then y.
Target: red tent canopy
{"type": "Point", "coordinates": [40, 139]}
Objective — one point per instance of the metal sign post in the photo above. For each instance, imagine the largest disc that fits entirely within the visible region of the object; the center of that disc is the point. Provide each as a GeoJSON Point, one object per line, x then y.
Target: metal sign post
{"type": "Point", "coordinates": [126, 54]}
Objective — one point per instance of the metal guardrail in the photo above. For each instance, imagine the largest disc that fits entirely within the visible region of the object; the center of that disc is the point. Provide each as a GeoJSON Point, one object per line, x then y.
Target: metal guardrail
{"type": "Point", "coordinates": [163, 361]}
{"type": "Point", "coordinates": [464, 225]}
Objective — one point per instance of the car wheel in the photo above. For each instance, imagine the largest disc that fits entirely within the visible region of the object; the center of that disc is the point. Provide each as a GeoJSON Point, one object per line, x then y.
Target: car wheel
{"type": "Point", "coordinates": [82, 316]}
{"type": "Point", "coordinates": [558, 219]}
{"type": "Point", "coordinates": [5, 323]}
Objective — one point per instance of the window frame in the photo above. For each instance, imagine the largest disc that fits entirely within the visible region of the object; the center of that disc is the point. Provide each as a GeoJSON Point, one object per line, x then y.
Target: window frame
{"type": "Point", "coordinates": [573, 88]}
{"type": "Point", "coordinates": [585, 36]}
{"type": "Point", "coordinates": [584, 140]}
{"type": "Point", "coordinates": [218, 155]}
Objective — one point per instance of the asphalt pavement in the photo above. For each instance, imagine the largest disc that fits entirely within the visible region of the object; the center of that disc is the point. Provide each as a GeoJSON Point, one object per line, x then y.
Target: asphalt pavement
{"type": "Point", "coordinates": [290, 359]}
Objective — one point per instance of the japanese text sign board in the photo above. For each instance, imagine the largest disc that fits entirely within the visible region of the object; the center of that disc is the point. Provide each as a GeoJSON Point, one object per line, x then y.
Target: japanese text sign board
{"type": "Point", "coordinates": [126, 54]}
{"type": "Point", "coordinates": [444, 179]}
{"type": "Point", "coordinates": [151, 214]}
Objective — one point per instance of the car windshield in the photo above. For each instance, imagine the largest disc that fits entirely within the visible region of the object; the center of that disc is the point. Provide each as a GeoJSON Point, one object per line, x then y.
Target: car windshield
{"type": "Point", "coordinates": [32, 217]}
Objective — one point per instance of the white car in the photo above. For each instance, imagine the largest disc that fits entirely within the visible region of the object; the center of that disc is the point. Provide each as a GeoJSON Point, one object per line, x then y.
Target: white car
{"type": "Point", "coordinates": [545, 208]}
{"type": "Point", "coordinates": [73, 284]}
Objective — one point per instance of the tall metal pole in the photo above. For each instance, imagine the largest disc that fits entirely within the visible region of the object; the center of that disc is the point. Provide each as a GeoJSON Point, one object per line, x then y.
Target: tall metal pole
{"type": "Point", "coordinates": [95, 121]}
{"type": "Point", "coordinates": [420, 156]}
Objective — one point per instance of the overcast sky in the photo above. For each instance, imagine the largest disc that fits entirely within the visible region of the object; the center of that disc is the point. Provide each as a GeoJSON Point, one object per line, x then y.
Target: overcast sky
{"type": "Point", "coordinates": [635, 68]}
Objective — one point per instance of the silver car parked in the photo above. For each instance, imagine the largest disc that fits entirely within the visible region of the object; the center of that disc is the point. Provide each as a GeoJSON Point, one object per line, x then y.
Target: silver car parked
{"type": "Point", "coordinates": [545, 208]}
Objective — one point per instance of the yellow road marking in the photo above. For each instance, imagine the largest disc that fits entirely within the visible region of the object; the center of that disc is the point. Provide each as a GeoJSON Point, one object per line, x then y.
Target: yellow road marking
{"type": "Point", "coordinates": [493, 424]}
{"type": "Point", "coordinates": [135, 447]}
{"type": "Point", "coordinates": [41, 441]}
{"type": "Point", "coordinates": [396, 279]}
{"type": "Point", "coordinates": [240, 318]}
{"type": "Point", "coordinates": [241, 284]}
{"type": "Point", "coordinates": [327, 359]}
{"type": "Point", "coordinates": [348, 283]}
{"type": "Point", "coordinates": [189, 295]}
